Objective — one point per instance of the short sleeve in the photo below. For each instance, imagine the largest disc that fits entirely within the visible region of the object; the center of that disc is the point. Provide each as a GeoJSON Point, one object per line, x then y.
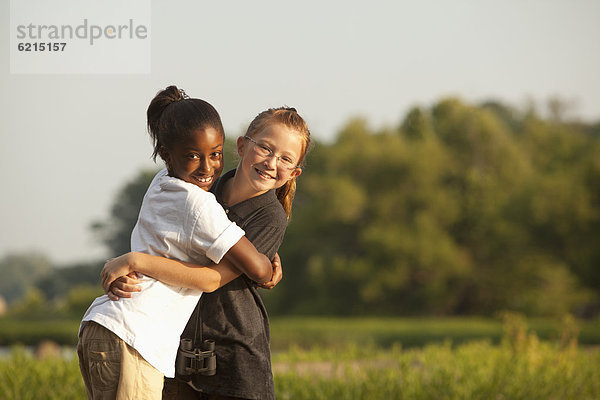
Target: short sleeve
{"type": "Point", "coordinates": [213, 234]}
{"type": "Point", "coordinates": [226, 240]}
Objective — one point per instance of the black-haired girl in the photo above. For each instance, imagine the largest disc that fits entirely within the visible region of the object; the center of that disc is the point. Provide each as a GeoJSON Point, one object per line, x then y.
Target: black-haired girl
{"type": "Point", "coordinates": [126, 346]}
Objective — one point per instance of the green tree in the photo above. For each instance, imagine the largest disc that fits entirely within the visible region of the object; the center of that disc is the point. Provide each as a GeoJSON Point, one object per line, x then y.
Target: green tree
{"type": "Point", "coordinates": [115, 233]}
{"type": "Point", "coordinates": [19, 271]}
{"type": "Point", "coordinates": [78, 299]}
{"type": "Point", "coordinates": [59, 281]}
{"type": "Point", "coordinates": [462, 209]}
{"type": "Point", "coordinates": [32, 305]}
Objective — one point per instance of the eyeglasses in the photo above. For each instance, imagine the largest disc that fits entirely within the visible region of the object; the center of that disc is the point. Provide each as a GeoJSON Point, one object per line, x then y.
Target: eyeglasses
{"type": "Point", "coordinates": [265, 151]}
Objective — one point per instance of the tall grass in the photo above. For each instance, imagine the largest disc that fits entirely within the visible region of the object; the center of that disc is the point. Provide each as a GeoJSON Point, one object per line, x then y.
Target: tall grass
{"type": "Point", "coordinates": [518, 366]}
{"type": "Point", "coordinates": [474, 370]}
{"type": "Point", "coordinates": [24, 377]}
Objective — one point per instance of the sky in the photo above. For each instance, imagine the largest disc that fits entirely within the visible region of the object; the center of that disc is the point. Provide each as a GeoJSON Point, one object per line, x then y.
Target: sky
{"type": "Point", "coordinates": [70, 141]}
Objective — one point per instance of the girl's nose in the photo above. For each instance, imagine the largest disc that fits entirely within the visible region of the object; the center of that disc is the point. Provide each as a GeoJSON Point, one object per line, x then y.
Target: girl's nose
{"type": "Point", "coordinates": [271, 161]}
{"type": "Point", "coordinates": [205, 165]}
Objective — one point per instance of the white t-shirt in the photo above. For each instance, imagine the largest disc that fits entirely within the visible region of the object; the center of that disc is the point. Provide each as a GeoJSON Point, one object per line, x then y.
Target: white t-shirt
{"type": "Point", "coordinates": [177, 220]}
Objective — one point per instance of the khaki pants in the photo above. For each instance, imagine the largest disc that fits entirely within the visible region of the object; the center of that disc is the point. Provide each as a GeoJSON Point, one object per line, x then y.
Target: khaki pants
{"type": "Point", "coordinates": [111, 369]}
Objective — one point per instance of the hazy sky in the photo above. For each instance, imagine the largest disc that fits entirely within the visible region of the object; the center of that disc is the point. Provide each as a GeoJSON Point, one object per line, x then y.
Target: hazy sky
{"type": "Point", "coordinates": [69, 142]}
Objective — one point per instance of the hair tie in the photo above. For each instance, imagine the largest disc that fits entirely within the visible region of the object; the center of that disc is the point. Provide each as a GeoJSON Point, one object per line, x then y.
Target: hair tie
{"type": "Point", "coordinates": [183, 94]}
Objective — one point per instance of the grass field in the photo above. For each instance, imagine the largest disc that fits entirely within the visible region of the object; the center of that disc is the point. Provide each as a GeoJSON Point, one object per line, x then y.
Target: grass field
{"type": "Point", "coordinates": [473, 370]}
{"type": "Point", "coordinates": [307, 332]}
{"type": "Point", "coordinates": [333, 358]}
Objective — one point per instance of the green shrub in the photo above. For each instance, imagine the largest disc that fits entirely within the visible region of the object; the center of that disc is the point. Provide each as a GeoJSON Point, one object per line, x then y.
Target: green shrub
{"type": "Point", "coordinates": [24, 377]}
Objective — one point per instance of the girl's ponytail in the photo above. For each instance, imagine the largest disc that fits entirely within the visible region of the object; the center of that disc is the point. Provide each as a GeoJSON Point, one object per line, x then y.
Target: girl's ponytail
{"type": "Point", "coordinates": [285, 195]}
{"type": "Point", "coordinates": [157, 106]}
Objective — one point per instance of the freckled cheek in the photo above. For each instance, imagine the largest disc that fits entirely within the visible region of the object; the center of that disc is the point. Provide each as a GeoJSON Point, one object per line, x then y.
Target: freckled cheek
{"type": "Point", "coordinates": [253, 159]}
{"type": "Point", "coordinates": [281, 177]}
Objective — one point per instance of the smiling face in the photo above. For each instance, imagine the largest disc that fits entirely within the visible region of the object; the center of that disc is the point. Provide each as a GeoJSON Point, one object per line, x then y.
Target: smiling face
{"type": "Point", "coordinates": [261, 173]}
{"type": "Point", "coordinates": [197, 159]}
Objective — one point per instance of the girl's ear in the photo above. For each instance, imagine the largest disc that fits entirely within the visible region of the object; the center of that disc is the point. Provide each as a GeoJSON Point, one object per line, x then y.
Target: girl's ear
{"type": "Point", "coordinates": [240, 145]}
{"type": "Point", "coordinates": [296, 173]}
{"type": "Point", "coordinates": [164, 154]}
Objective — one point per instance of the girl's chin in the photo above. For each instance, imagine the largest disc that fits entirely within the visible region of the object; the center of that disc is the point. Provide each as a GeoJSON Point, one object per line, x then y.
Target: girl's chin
{"type": "Point", "coordinates": [262, 185]}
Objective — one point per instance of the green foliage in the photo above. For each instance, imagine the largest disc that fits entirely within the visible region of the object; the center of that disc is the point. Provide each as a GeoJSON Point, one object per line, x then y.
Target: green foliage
{"type": "Point", "coordinates": [32, 305]}
{"type": "Point", "coordinates": [79, 298]}
{"type": "Point", "coordinates": [521, 367]}
{"type": "Point", "coordinates": [35, 288]}
{"type": "Point", "coordinates": [30, 332]}
{"type": "Point", "coordinates": [116, 231]}
{"type": "Point", "coordinates": [476, 370]}
{"type": "Point", "coordinates": [59, 281]}
{"type": "Point", "coordinates": [71, 302]}
{"type": "Point", "coordinates": [19, 272]}
{"type": "Point", "coordinates": [306, 332]}
{"type": "Point", "coordinates": [461, 210]}
{"type": "Point", "coordinates": [230, 155]}
{"type": "Point", "coordinates": [24, 377]}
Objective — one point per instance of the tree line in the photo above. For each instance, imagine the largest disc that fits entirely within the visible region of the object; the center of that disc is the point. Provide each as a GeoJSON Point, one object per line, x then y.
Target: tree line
{"type": "Point", "coordinates": [459, 209]}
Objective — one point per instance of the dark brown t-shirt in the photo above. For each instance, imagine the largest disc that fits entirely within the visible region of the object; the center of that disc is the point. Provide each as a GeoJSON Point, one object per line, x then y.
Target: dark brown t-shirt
{"type": "Point", "coordinates": [234, 316]}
